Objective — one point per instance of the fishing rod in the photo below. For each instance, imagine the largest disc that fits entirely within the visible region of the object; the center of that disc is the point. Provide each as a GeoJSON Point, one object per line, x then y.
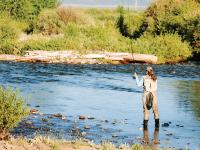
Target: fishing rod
{"type": "Point", "coordinates": [131, 40]}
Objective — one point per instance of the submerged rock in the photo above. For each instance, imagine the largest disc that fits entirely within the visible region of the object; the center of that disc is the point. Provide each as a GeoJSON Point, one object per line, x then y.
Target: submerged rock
{"type": "Point", "coordinates": [90, 117]}
{"type": "Point", "coordinates": [165, 125]}
{"type": "Point", "coordinates": [28, 123]}
{"type": "Point", "coordinates": [59, 115]}
{"type": "Point", "coordinates": [81, 117]}
{"type": "Point", "coordinates": [86, 127]}
{"type": "Point", "coordinates": [44, 120]}
{"type": "Point", "coordinates": [34, 111]}
{"type": "Point", "coordinates": [114, 135]}
{"type": "Point", "coordinates": [83, 134]}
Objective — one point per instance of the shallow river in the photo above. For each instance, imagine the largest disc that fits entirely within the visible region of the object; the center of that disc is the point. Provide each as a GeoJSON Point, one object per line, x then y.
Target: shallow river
{"type": "Point", "coordinates": [110, 95]}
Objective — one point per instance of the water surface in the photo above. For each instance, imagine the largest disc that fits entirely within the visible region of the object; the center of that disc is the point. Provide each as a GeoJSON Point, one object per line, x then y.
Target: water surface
{"type": "Point", "coordinates": [108, 93]}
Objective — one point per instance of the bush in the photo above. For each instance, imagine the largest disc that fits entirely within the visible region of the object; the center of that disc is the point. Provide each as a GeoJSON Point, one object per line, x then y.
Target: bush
{"type": "Point", "coordinates": [9, 34]}
{"type": "Point", "coordinates": [48, 23]}
{"type": "Point", "coordinates": [26, 9]}
{"type": "Point", "coordinates": [165, 46]}
{"type": "Point", "coordinates": [12, 110]}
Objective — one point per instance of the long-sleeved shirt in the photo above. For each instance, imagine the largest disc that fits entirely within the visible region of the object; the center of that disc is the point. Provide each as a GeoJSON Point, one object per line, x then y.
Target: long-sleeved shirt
{"type": "Point", "coordinates": [147, 83]}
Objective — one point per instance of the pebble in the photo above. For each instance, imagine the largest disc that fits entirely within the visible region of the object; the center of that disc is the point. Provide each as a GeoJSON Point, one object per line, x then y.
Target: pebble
{"type": "Point", "coordinates": [81, 117]}
{"type": "Point", "coordinates": [59, 115]}
{"type": "Point", "coordinates": [106, 121]}
{"type": "Point", "coordinates": [114, 135]}
{"type": "Point", "coordinates": [86, 127]}
{"type": "Point", "coordinates": [34, 111]}
{"type": "Point", "coordinates": [44, 120]}
{"type": "Point", "coordinates": [165, 125]}
{"type": "Point", "coordinates": [28, 123]}
{"type": "Point", "coordinates": [64, 118]}
{"type": "Point", "coordinates": [169, 134]}
{"type": "Point", "coordinates": [90, 117]}
{"type": "Point", "coordinates": [83, 133]}
{"type": "Point", "coordinates": [50, 116]}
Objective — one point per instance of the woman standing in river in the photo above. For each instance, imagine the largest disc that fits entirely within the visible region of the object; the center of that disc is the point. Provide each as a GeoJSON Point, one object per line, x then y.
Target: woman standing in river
{"type": "Point", "coordinates": [149, 83]}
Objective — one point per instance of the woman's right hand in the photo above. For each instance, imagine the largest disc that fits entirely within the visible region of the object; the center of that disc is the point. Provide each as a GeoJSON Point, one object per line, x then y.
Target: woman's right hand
{"type": "Point", "coordinates": [134, 75]}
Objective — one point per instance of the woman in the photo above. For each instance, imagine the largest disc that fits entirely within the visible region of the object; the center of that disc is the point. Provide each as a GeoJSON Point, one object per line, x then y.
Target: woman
{"type": "Point", "coordinates": [149, 83]}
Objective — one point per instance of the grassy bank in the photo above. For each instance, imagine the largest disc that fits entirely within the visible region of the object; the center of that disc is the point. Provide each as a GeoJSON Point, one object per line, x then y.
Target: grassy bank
{"type": "Point", "coordinates": [39, 143]}
{"type": "Point", "coordinates": [113, 30]}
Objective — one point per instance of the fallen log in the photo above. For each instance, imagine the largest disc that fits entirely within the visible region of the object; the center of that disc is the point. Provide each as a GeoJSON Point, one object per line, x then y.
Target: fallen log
{"type": "Point", "coordinates": [75, 58]}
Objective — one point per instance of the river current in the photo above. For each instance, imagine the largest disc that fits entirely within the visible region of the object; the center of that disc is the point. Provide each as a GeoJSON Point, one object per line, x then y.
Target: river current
{"type": "Point", "coordinates": [110, 95]}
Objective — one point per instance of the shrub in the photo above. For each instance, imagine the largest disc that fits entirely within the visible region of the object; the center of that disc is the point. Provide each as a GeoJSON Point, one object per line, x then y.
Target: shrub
{"type": "Point", "coordinates": [12, 110]}
{"type": "Point", "coordinates": [9, 34]}
{"type": "Point", "coordinates": [48, 23]}
{"type": "Point", "coordinates": [168, 47]}
{"type": "Point", "coordinates": [26, 9]}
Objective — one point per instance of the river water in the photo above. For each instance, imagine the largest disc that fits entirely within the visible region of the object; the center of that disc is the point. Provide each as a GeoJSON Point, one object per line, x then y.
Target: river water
{"type": "Point", "coordinates": [110, 95]}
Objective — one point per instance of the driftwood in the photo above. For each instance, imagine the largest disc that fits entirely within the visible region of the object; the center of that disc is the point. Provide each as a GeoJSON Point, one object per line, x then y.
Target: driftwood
{"type": "Point", "coordinates": [72, 57]}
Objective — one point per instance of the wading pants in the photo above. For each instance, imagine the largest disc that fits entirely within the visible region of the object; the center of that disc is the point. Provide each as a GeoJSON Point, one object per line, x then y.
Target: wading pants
{"type": "Point", "coordinates": [154, 107]}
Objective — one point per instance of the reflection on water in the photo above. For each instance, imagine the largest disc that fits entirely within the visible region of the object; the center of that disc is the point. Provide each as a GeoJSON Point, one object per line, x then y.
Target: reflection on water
{"type": "Point", "coordinates": [151, 143]}
{"type": "Point", "coordinates": [108, 92]}
{"type": "Point", "coordinates": [189, 95]}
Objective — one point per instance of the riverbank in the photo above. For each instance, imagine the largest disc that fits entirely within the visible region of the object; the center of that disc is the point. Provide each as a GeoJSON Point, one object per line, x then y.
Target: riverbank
{"type": "Point", "coordinates": [74, 57]}
{"type": "Point", "coordinates": [41, 143]}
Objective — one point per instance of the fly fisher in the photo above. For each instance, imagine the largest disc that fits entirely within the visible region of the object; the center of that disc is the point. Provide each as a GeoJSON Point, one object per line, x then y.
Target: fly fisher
{"type": "Point", "coordinates": [150, 100]}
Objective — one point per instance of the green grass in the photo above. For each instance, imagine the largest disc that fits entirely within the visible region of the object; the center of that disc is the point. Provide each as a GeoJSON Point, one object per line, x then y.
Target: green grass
{"type": "Point", "coordinates": [95, 29]}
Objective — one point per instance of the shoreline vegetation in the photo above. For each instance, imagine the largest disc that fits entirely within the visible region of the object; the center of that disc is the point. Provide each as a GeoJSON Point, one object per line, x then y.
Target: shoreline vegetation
{"type": "Point", "coordinates": [167, 29]}
{"type": "Point", "coordinates": [46, 143]}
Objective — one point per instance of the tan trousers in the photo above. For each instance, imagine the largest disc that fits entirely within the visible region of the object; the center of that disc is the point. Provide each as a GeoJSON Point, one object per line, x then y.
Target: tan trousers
{"type": "Point", "coordinates": [154, 107]}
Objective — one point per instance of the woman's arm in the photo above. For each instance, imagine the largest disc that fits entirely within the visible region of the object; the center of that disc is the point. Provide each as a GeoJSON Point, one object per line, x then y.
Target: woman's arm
{"type": "Point", "coordinates": [138, 82]}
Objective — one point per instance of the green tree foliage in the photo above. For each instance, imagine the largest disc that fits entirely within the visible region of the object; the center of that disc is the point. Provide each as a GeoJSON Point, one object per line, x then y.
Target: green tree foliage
{"type": "Point", "coordinates": [8, 35]}
{"type": "Point", "coordinates": [12, 110]}
{"type": "Point", "coordinates": [166, 47]}
{"type": "Point", "coordinates": [171, 16]}
{"type": "Point", "coordinates": [123, 28]}
{"type": "Point", "coordinates": [26, 9]}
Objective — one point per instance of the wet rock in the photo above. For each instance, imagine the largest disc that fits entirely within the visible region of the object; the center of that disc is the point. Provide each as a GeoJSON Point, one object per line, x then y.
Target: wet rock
{"type": "Point", "coordinates": [50, 116]}
{"type": "Point", "coordinates": [64, 118]}
{"type": "Point", "coordinates": [114, 135]}
{"type": "Point", "coordinates": [28, 123]}
{"type": "Point", "coordinates": [44, 120]}
{"type": "Point", "coordinates": [34, 111]}
{"type": "Point", "coordinates": [45, 129]}
{"type": "Point", "coordinates": [50, 124]}
{"type": "Point", "coordinates": [106, 121]}
{"type": "Point", "coordinates": [181, 126]}
{"type": "Point", "coordinates": [170, 122]}
{"type": "Point", "coordinates": [165, 125]}
{"type": "Point", "coordinates": [58, 115]}
{"type": "Point", "coordinates": [169, 134]}
{"type": "Point", "coordinates": [37, 106]}
{"type": "Point", "coordinates": [81, 117]}
{"type": "Point", "coordinates": [90, 117]}
{"type": "Point", "coordinates": [83, 134]}
{"type": "Point", "coordinates": [86, 127]}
